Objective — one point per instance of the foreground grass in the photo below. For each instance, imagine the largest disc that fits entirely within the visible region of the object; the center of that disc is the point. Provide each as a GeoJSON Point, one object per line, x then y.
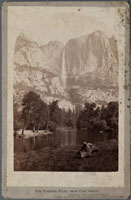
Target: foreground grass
{"type": "Point", "coordinates": [64, 159]}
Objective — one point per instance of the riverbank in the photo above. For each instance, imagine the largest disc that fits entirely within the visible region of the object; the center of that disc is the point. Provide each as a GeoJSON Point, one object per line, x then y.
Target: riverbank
{"type": "Point", "coordinates": [30, 133]}
{"type": "Point", "coordinates": [64, 159]}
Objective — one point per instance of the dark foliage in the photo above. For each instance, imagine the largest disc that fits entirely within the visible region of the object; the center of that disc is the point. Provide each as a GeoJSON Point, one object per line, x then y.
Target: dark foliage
{"type": "Point", "coordinates": [17, 118]}
{"type": "Point", "coordinates": [96, 119]}
{"type": "Point", "coordinates": [38, 115]}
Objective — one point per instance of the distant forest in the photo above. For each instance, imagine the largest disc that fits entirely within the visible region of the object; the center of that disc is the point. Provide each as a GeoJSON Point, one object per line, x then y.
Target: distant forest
{"type": "Point", "coordinates": [37, 115]}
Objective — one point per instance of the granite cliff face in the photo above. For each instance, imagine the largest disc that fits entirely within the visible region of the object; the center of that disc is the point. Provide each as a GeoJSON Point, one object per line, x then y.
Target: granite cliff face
{"type": "Point", "coordinates": [85, 69]}
{"type": "Point", "coordinates": [91, 57]}
{"type": "Point", "coordinates": [38, 68]}
{"type": "Point", "coordinates": [47, 57]}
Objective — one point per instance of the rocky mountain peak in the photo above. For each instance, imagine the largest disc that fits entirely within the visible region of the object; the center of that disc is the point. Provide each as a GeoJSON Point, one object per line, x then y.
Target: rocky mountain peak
{"type": "Point", "coordinates": [95, 53]}
{"type": "Point", "coordinates": [77, 72]}
{"type": "Point", "coordinates": [22, 41]}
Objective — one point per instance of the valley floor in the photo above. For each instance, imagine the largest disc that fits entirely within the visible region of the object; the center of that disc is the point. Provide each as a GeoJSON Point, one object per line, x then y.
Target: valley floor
{"type": "Point", "coordinates": [64, 159]}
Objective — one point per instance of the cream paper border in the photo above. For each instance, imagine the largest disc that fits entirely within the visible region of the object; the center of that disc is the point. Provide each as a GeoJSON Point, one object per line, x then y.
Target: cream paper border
{"type": "Point", "coordinates": [68, 179]}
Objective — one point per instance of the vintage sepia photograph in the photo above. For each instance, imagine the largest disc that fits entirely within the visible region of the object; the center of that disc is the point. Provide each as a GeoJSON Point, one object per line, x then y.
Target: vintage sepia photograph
{"type": "Point", "coordinates": [65, 100]}
{"type": "Point", "coordinates": [65, 96]}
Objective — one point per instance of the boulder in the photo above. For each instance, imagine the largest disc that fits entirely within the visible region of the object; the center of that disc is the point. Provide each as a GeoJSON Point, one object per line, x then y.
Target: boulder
{"type": "Point", "coordinates": [87, 150]}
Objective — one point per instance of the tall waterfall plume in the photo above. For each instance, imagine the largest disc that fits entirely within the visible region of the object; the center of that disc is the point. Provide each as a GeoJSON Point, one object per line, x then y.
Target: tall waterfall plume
{"type": "Point", "coordinates": [63, 71]}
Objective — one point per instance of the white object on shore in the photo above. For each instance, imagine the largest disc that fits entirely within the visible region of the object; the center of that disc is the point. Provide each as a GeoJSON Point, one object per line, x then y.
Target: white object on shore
{"type": "Point", "coordinates": [30, 133]}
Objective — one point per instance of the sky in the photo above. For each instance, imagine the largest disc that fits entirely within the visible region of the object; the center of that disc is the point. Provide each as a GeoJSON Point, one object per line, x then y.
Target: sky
{"type": "Point", "coordinates": [44, 23]}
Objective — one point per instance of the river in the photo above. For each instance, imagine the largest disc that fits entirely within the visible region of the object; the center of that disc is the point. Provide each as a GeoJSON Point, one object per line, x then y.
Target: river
{"type": "Point", "coordinates": [60, 138]}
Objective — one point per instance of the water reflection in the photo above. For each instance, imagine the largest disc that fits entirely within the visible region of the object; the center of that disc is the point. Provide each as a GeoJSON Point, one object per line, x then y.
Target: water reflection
{"type": "Point", "coordinates": [59, 139]}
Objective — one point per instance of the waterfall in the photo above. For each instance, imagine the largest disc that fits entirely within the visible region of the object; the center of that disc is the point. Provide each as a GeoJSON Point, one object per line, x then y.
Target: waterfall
{"type": "Point", "coordinates": [63, 71]}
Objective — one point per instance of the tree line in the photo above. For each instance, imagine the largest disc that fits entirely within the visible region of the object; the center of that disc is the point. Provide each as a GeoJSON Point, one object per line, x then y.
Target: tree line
{"type": "Point", "coordinates": [96, 119]}
{"type": "Point", "coordinates": [37, 115]}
